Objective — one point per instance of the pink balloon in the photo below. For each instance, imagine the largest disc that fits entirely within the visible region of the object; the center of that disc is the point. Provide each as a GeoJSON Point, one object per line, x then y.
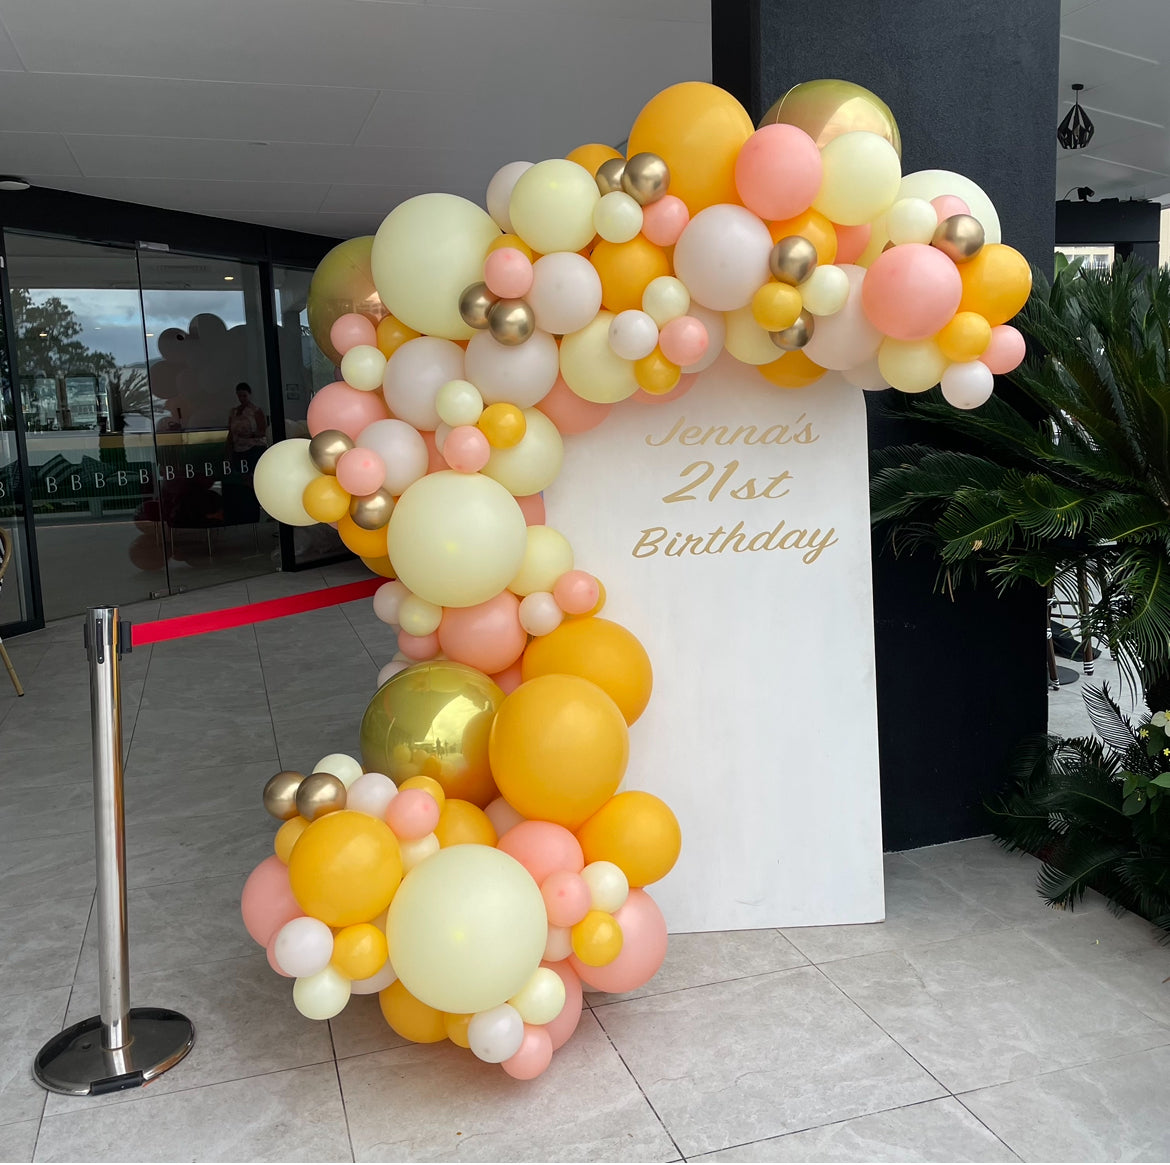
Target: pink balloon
{"type": "Point", "coordinates": [947, 204]}
{"type": "Point", "coordinates": [566, 897]}
{"type": "Point", "coordinates": [337, 406]}
{"type": "Point", "coordinates": [271, 952]}
{"type": "Point", "coordinates": [360, 471]}
{"type": "Point", "coordinates": [534, 1056]}
{"type": "Point", "coordinates": [412, 814]}
{"type": "Point", "coordinates": [643, 948]}
{"type": "Point", "coordinates": [418, 647]}
{"type": "Point", "coordinates": [508, 681]}
{"type": "Point", "coordinates": [911, 291]}
{"type": "Point", "coordinates": [778, 171]}
{"type": "Point", "coordinates": [1006, 350]}
{"type": "Point", "coordinates": [663, 221]}
{"type": "Point", "coordinates": [267, 901]}
{"type": "Point", "coordinates": [508, 273]}
{"type": "Point", "coordinates": [487, 636]}
{"type": "Point", "coordinates": [565, 1024]}
{"type": "Point", "coordinates": [569, 412]}
{"type": "Point", "coordinates": [851, 241]}
{"type": "Point", "coordinates": [542, 848]}
{"type": "Point", "coordinates": [350, 330]}
{"type": "Point", "coordinates": [466, 449]}
{"type": "Point", "coordinates": [532, 507]}
{"type": "Point", "coordinates": [685, 383]}
{"type": "Point", "coordinates": [683, 340]}
{"type": "Point", "coordinates": [576, 592]}
{"type": "Point", "coordinates": [435, 460]}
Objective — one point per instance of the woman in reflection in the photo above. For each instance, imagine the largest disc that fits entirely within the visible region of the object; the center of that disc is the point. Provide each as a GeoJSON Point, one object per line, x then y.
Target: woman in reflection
{"type": "Point", "coordinates": [247, 425]}
{"type": "Point", "coordinates": [247, 438]}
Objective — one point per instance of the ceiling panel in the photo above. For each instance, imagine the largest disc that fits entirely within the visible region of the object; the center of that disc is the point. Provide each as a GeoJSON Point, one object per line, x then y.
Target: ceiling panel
{"type": "Point", "coordinates": [1140, 27]}
{"type": "Point", "coordinates": [208, 196]}
{"type": "Point", "coordinates": [378, 201]}
{"type": "Point", "coordinates": [1094, 66]}
{"type": "Point", "coordinates": [36, 153]}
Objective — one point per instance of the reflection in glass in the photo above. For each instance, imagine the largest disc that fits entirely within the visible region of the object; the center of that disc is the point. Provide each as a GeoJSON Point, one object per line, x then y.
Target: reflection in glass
{"type": "Point", "coordinates": [15, 585]}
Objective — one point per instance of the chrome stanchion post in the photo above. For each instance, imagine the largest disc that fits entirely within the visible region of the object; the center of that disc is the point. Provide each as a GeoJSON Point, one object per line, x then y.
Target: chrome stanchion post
{"type": "Point", "coordinates": [122, 1047]}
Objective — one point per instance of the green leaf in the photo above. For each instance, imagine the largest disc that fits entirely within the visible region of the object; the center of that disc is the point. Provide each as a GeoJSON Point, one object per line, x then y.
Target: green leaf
{"type": "Point", "coordinates": [1162, 780]}
{"type": "Point", "coordinates": [1134, 803]}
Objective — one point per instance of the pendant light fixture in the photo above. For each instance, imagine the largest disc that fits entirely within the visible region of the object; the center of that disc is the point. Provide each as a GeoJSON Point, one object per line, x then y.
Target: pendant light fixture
{"type": "Point", "coordinates": [1076, 131]}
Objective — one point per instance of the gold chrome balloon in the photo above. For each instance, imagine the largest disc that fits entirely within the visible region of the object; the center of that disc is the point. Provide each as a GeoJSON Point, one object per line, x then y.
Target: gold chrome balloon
{"type": "Point", "coordinates": [645, 178]}
{"type": "Point", "coordinates": [372, 511]}
{"type": "Point", "coordinates": [826, 109]}
{"type": "Point", "coordinates": [326, 448]}
{"type": "Point", "coordinates": [511, 322]}
{"type": "Point", "coordinates": [318, 794]}
{"type": "Point", "coordinates": [792, 259]}
{"type": "Point", "coordinates": [609, 175]}
{"type": "Point", "coordinates": [474, 305]}
{"type": "Point", "coordinates": [280, 794]}
{"type": "Point", "coordinates": [790, 339]}
{"type": "Point", "coordinates": [433, 720]}
{"type": "Point", "coordinates": [343, 283]}
{"type": "Point", "coordinates": [959, 237]}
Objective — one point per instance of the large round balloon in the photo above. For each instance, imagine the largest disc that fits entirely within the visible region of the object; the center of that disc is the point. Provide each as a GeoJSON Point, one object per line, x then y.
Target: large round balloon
{"type": "Point", "coordinates": [426, 253]}
{"type": "Point", "coordinates": [280, 477]}
{"type": "Point", "coordinates": [456, 539]}
{"type": "Point", "coordinates": [433, 720]}
{"type": "Point", "coordinates": [828, 108]}
{"type": "Point", "coordinates": [342, 284]}
{"type": "Point", "coordinates": [467, 928]}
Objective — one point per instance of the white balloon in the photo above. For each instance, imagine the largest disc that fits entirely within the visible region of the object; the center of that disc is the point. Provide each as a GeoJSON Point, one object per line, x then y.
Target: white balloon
{"type": "Point", "coordinates": [617, 217]}
{"type": "Point", "coordinates": [303, 946]}
{"type": "Point", "coordinates": [402, 450]}
{"type": "Point", "coordinates": [280, 477]}
{"type": "Point", "coordinates": [826, 291]}
{"type": "Point", "coordinates": [559, 945]}
{"type": "Point", "coordinates": [321, 996]}
{"type": "Point", "coordinates": [414, 375]}
{"type": "Point", "coordinates": [391, 670]}
{"type": "Point", "coordinates": [495, 1035]}
{"type": "Point", "coordinates": [565, 293]}
{"type": "Point", "coordinates": [968, 385]}
{"type": "Point", "coordinates": [344, 767]}
{"type": "Point", "coordinates": [722, 256]}
{"type": "Point", "coordinates": [371, 794]}
{"type": "Point", "coordinates": [633, 334]}
{"type": "Point", "coordinates": [911, 220]}
{"type": "Point", "coordinates": [665, 299]}
{"type": "Point", "coordinates": [847, 338]}
{"type": "Point", "coordinates": [442, 432]}
{"type": "Point", "coordinates": [868, 376]}
{"type": "Point", "coordinates": [363, 367]}
{"type": "Point", "coordinates": [521, 374]}
{"type": "Point", "coordinates": [502, 816]}
{"type": "Point", "coordinates": [608, 886]}
{"type": "Point", "coordinates": [539, 613]}
{"type": "Point", "coordinates": [374, 983]}
{"type": "Point", "coordinates": [499, 192]}
{"type": "Point", "coordinates": [387, 599]}
{"type": "Point", "coordinates": [716, 327]}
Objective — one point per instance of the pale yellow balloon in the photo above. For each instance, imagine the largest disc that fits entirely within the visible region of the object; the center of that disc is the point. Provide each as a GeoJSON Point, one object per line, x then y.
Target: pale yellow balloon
{"type": "Point", "coordinates": [459, 403]}
{"type": "Point", "coordinates": [542, 998]}
{"type": "Point", "coordinates": [417, 850]}
{"type": "Point", "coordinates": [911, 220]}
{"type": "Point", "coordinates": [426, 252]}
{"type": "Point", "coordinates": [911, 365]}
{"type": "Point", "coordinates": [363, 367]}
{"type": "Point", "coordinates": [547, 556]}
{"type": "Point", "coordinates": [417, 616]}
{"type": "Point", "coordinates": [746, 340]}
{"type": "Point", "coordinates": [456, 539]}
{"type": "Point", "coordinates": [534, 462]}
{"type": "Point", "coordinates": [592, 369]}
{"type": "Point", "coordinates": [617, 217]}
{"type": "Point", "coordinates": [552, 206]}
{"type": "Point", "coordinates": [826, 291]}
{"type": "Point", "coordinates": [862, 173]}
{"type": "Point", "coordinates": [321, 996]}
{"type": "Point", "coordinates": [665, 299]}
{"type": "Point", "coordinates": [280, 477]}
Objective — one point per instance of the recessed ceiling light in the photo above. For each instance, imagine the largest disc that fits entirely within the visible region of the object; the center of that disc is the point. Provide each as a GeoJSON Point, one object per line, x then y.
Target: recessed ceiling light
{"type": "Point", "coordinates": [229, 278]}
{"type": "Point", "coordinates": [12, 182]}
{"type": "Point", "coordinates": [43, 335]}
{"type": "Point", "coordinates": [150, 334]}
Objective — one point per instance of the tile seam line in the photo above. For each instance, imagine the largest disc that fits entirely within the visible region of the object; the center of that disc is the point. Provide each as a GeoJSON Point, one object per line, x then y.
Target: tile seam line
{"type": "Point", "coordinates": [341, 1090]}
{"type": "Point", "coordinates": [698, 986]}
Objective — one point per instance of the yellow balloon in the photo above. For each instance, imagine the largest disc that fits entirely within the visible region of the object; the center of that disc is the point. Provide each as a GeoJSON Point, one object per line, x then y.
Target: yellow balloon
{"type": "Point", "coordinates": [552, 206]}
{"type": "Point", "coordinates": [527, 467]}
{"type": "Point", "coordinates": [862, 174]}
{"type": "Point", "coordinates": [911, 365]}
{"type": "Point", "coordinates": [811, 225]}
{"type": "Point", "coordinates": [461, 823]}
{"type": "Point", "coordinates": [280, 478]}
{"type": "Point", "coordinates": [457, 539]}
{"type": "Point", "coordinates": [343, 283]}
{"type": "Point", "coordinates": [359, 951]}
{"type": "Point", "coordinates": [655, 374]}
{"type": "Point", "coordinates": [597, 650]}
{"type": "Point", "coordinates": [324, 500]}
{"type": "Point", "coordinates": [776, 306]}
{"type": "Point", "coordinates": [503, 425]}
{"type": "Point", "coordinates": [792, 370]}
{"type": "Point", "coordinates": [427, 728]}
{"type": "Point", "coordinates": [457, 1028]}
{"type": "Point", "coordinates": [558, 749]}
{"type": "Point", "coordinates": [516, 243]}
{"type": "Point", "coordinates": [698, 130]}
{"type": "Point", "coordinates": [637, 832]}
{"type": "Point", "coordinates": [410, 1017]}
{"type": "Point", "coordinates": [996, 283]}
{"type": "Point", "coordinates": [426, 253]}
{"type": "Point", "coordinates": [626, 270]}
{"type": "Point", "coordinates": [380, 565]}
{"type": "Point", "coordinates": [392, 334]}
{"type": "Point", "coordinates": [287, 836]}
{"type": "Point", "coordinates": [364, 543]}
{"type": "Point", "coordinates": [965, 338]}
{"type": "Point", "coordinates": [828, 108]}
{"type": "Point", "coordinates": [345, 868]}
{"type": "Point", "coordinates": [547, 557]}
{"type": "Point", "coordinates": [745, 339]}
{"type": "Point", "coordinates": [597, 939]}
{"type": "Point", "coordinates": [592, 155]}
{"type": "Point", "coordinates": [467, 928]}
{"type": "Point", "coordinates": [592, 369]}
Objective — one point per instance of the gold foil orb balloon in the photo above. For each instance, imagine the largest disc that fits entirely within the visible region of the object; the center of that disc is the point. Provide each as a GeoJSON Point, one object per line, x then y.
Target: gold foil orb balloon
{"type": "Point", "coordinates": [343, 283]}
{"type": "Point", "coordinates": [959, 237]}
{"type": "Point", "coordinates": [609, 175]}
{"type": "Point", "coordinates": [326, 449]}
{"type": "Point", "coordinates": [373, 511]}
{"type": "Point", "coordinates": [827, 109]}
{"type": "Point", "coordinates": [474, 305]}
{"type": "Point", "coordinates": [318, 794]}
{"type": "Point", "coordinates": [280, 794]}
{"type": "Point", "coordinates": [646, 178]}
{"type": "Point", "coordinates": [511, 322]}
{"type": "Point", "coordinates": [790, 339]}
{"type": "Point", "coordinates": [433, 720]}
{"type": "Point", "coordinates": [792, 259]}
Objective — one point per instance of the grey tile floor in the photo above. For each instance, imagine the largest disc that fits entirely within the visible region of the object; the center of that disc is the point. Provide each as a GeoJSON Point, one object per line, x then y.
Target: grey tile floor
{"type": "Point", "coordinates": [974, 1024]}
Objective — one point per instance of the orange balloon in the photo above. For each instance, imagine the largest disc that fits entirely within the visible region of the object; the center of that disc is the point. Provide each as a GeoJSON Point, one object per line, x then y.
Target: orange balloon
{"type": "Point", "coordinates": [636, 831]}
{"type": "Point", "coordinates": [776, 306]}
{"type": "Point", "coordinates": [428, 785]}
{"type": "Point", "coordinates": [503, 424]}
{"type": "Point", "coordinates": [380, 565]}
{"type": "Point", "coordinates": [411, 1018]}
{"type": "Point", "coordinates": [287, 836]}
{"type": "Point", "coordinates": [461, 823]}
{"type": "Point", "coordinates": [626, 269]}
{"type": "Point", "coordinates": [655, 374]}
{"type": "Point", "coordinates": [359, 951]}
{"type": "Point", "coordinates": [457, 1028]}
{"type": "Point", "coordinates": [592, 155]}
{"type": "Point", "coordinates": [324, 500]}
{"type": "Point", "coordinates": [515, 243]}
{"type": "Point", "coordinates": [792, 370]}
{"type": "Point", "coordinates": [996, 283]}
{"type": "Point", "coordinates": [364, 543]}
{"type": "Point", "coordinates": [813, 226]}
{"type": "Point", "coordinates": [391, 334]}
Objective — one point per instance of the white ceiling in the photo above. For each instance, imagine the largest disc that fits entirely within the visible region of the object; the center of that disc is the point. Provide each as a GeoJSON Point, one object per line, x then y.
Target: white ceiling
{"type": "Point", "coordinates": [321, 115]}
{"type": "Point", "coordinates": [1120, 51]}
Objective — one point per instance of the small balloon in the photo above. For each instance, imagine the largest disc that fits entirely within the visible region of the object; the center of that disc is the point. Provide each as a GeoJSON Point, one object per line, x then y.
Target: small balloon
{"type": "Point", "coordinates": [511, 321]}
{"type": "Point", "coordinates": [372, 511]}
{"type": "Point", "coordinates": [790, 339]}
{"type": "Point", "coordinates": [792, 259]}
{"type": "Point", "coordinates": [646, 178]}
{"type": "Point", "coordinates": [319, 794]}
{"type": "Point", "coordinates": [474, 305]}
{"type": "Point", "coordinates": [960, 237]}
{"type": "Point", "coordinates": [280, 794]}
{"type": "Point", "coordinates": [609, 175]}
{"type": "Point", "coordinates": [327, 447]}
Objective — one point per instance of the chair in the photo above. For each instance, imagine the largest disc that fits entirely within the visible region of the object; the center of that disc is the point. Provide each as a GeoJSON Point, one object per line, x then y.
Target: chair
{"type": "Point", "coordinates": [5, 559]}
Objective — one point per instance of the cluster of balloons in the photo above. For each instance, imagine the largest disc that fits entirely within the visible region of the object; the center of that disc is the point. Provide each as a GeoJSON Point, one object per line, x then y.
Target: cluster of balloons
{"type": "Point", "coordinates": [480, 863]}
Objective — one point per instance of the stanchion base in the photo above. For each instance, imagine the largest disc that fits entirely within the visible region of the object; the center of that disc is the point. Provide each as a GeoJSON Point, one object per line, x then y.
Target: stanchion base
{"type": "Point", "coordinates": [75, 1062]}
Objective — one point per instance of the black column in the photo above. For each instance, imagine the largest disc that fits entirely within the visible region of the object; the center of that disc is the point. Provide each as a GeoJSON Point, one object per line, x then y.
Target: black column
{"type": "Point", "coordinates": [974, 89]}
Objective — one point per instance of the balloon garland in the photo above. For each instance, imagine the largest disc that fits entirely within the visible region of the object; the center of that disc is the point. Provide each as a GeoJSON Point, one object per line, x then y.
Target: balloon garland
{"type": "Point", "coordinates": [479, 867]}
